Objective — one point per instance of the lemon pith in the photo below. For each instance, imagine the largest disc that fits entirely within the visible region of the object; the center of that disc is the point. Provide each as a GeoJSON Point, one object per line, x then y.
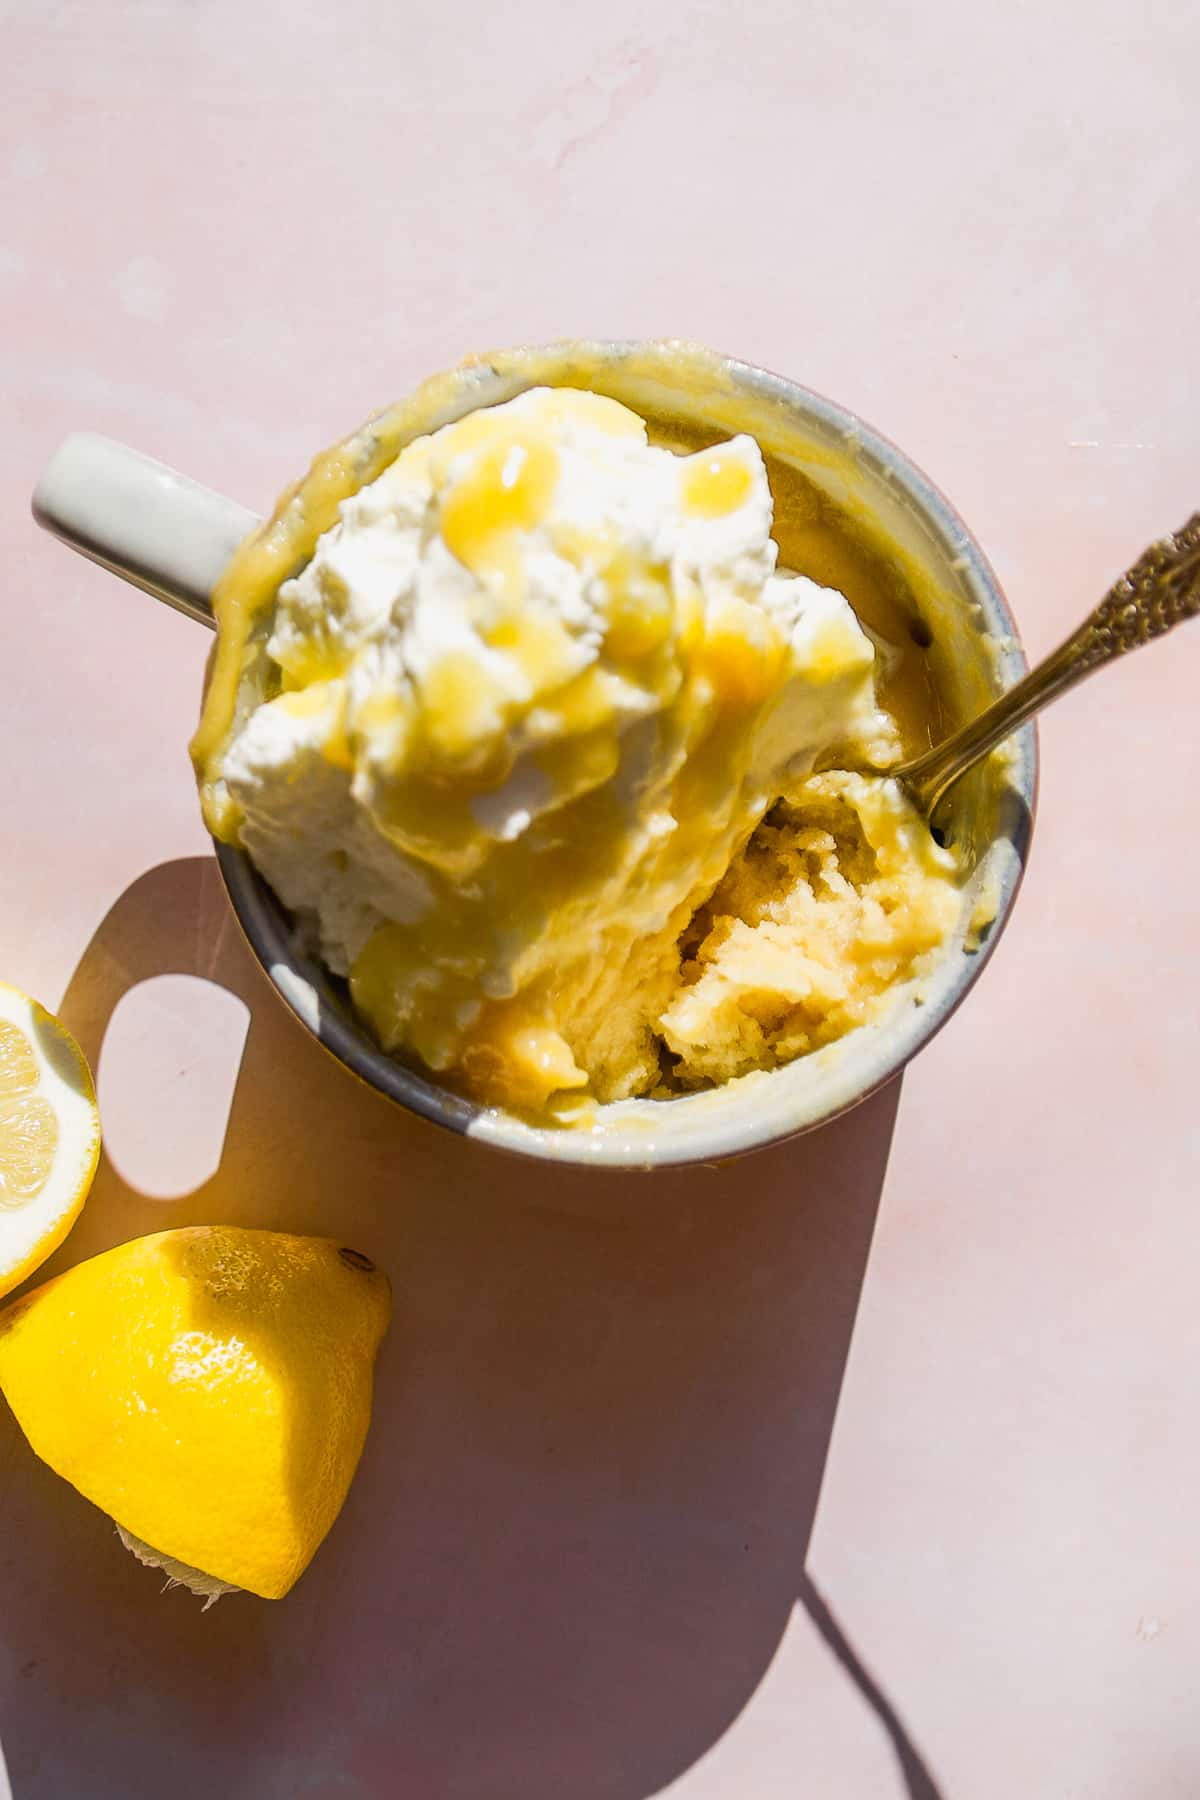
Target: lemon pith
{"type": "Point", "coordinates": [206, 1587]}
{"type": "Point", "coordinates": [208, 1388]}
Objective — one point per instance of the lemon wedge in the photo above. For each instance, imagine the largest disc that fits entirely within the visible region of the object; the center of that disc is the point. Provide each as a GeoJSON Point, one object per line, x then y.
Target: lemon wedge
{"type": "Point", "coordinates": [49, 1135]}
{"type": "Point", "coordinates": [209, 1389]}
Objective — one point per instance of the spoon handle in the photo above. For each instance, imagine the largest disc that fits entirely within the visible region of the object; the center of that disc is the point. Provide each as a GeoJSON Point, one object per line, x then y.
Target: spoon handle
{"type": "Point", "coordinates": [1160, 590]}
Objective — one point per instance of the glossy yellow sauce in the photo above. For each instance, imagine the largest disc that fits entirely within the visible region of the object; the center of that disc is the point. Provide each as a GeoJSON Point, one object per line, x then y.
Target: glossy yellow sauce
{"type": "Point", "coordinates": [716, 485]}
{"type": "Point", "coordinates": [508, 491]}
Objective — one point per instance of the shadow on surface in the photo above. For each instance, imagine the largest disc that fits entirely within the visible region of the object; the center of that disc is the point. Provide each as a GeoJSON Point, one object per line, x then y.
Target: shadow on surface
{"type": "Point", "coordinates": [580, 1527]}
{"type": "Point", "coordinates": [918, 1782]}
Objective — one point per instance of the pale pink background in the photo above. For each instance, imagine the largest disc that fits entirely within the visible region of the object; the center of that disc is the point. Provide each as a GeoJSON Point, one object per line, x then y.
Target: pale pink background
{"type": "Point", "coordinates": [584, 1558]}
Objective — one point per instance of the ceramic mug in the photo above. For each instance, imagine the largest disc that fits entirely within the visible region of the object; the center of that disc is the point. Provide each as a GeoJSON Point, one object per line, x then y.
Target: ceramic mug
{"type": "Point", "coordinates": [173, 538]}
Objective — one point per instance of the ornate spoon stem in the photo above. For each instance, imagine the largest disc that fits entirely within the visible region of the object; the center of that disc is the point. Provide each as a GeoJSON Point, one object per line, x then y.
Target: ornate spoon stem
{"type": "Point", "coordinates": [1156, 594]}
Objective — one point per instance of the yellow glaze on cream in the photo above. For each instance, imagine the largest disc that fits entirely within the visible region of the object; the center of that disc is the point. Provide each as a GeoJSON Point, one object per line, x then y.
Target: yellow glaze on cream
{"type": "Point", "coordinates": [715, 483]}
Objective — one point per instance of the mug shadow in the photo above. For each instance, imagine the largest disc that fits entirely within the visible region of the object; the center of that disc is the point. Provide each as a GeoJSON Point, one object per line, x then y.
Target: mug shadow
{"type": "Point", "coordinates": [580, 1526]}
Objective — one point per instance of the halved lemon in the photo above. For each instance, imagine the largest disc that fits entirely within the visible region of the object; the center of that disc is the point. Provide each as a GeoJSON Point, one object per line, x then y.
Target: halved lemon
{"type": "Point", "coordinates": [209, 1389]}
{"type": "Point", "coordinates": [49, 1135]}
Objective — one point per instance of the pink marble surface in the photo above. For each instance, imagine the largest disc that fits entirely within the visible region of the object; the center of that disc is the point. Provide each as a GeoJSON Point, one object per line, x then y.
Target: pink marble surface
{"type": "Point", "coordinates": [866, 1467]}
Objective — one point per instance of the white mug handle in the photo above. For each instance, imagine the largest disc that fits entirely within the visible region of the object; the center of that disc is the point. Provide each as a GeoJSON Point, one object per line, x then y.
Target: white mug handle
{"type": "Point", "coordinates": [132, 515]}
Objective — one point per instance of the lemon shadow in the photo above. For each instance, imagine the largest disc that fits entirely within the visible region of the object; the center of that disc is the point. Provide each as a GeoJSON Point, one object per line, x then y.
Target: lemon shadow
{"type": "Point", "coordinates": [580, 1527]}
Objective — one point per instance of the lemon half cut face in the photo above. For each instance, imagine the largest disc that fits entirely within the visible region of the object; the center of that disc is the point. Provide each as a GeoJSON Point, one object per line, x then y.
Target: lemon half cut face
{"type": "Point", "coordinates": [49, 1135]}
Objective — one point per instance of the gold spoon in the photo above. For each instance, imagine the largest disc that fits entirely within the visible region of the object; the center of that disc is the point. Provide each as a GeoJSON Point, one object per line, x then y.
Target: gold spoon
{"type": "Point", "coordinates": [1160, 590]}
